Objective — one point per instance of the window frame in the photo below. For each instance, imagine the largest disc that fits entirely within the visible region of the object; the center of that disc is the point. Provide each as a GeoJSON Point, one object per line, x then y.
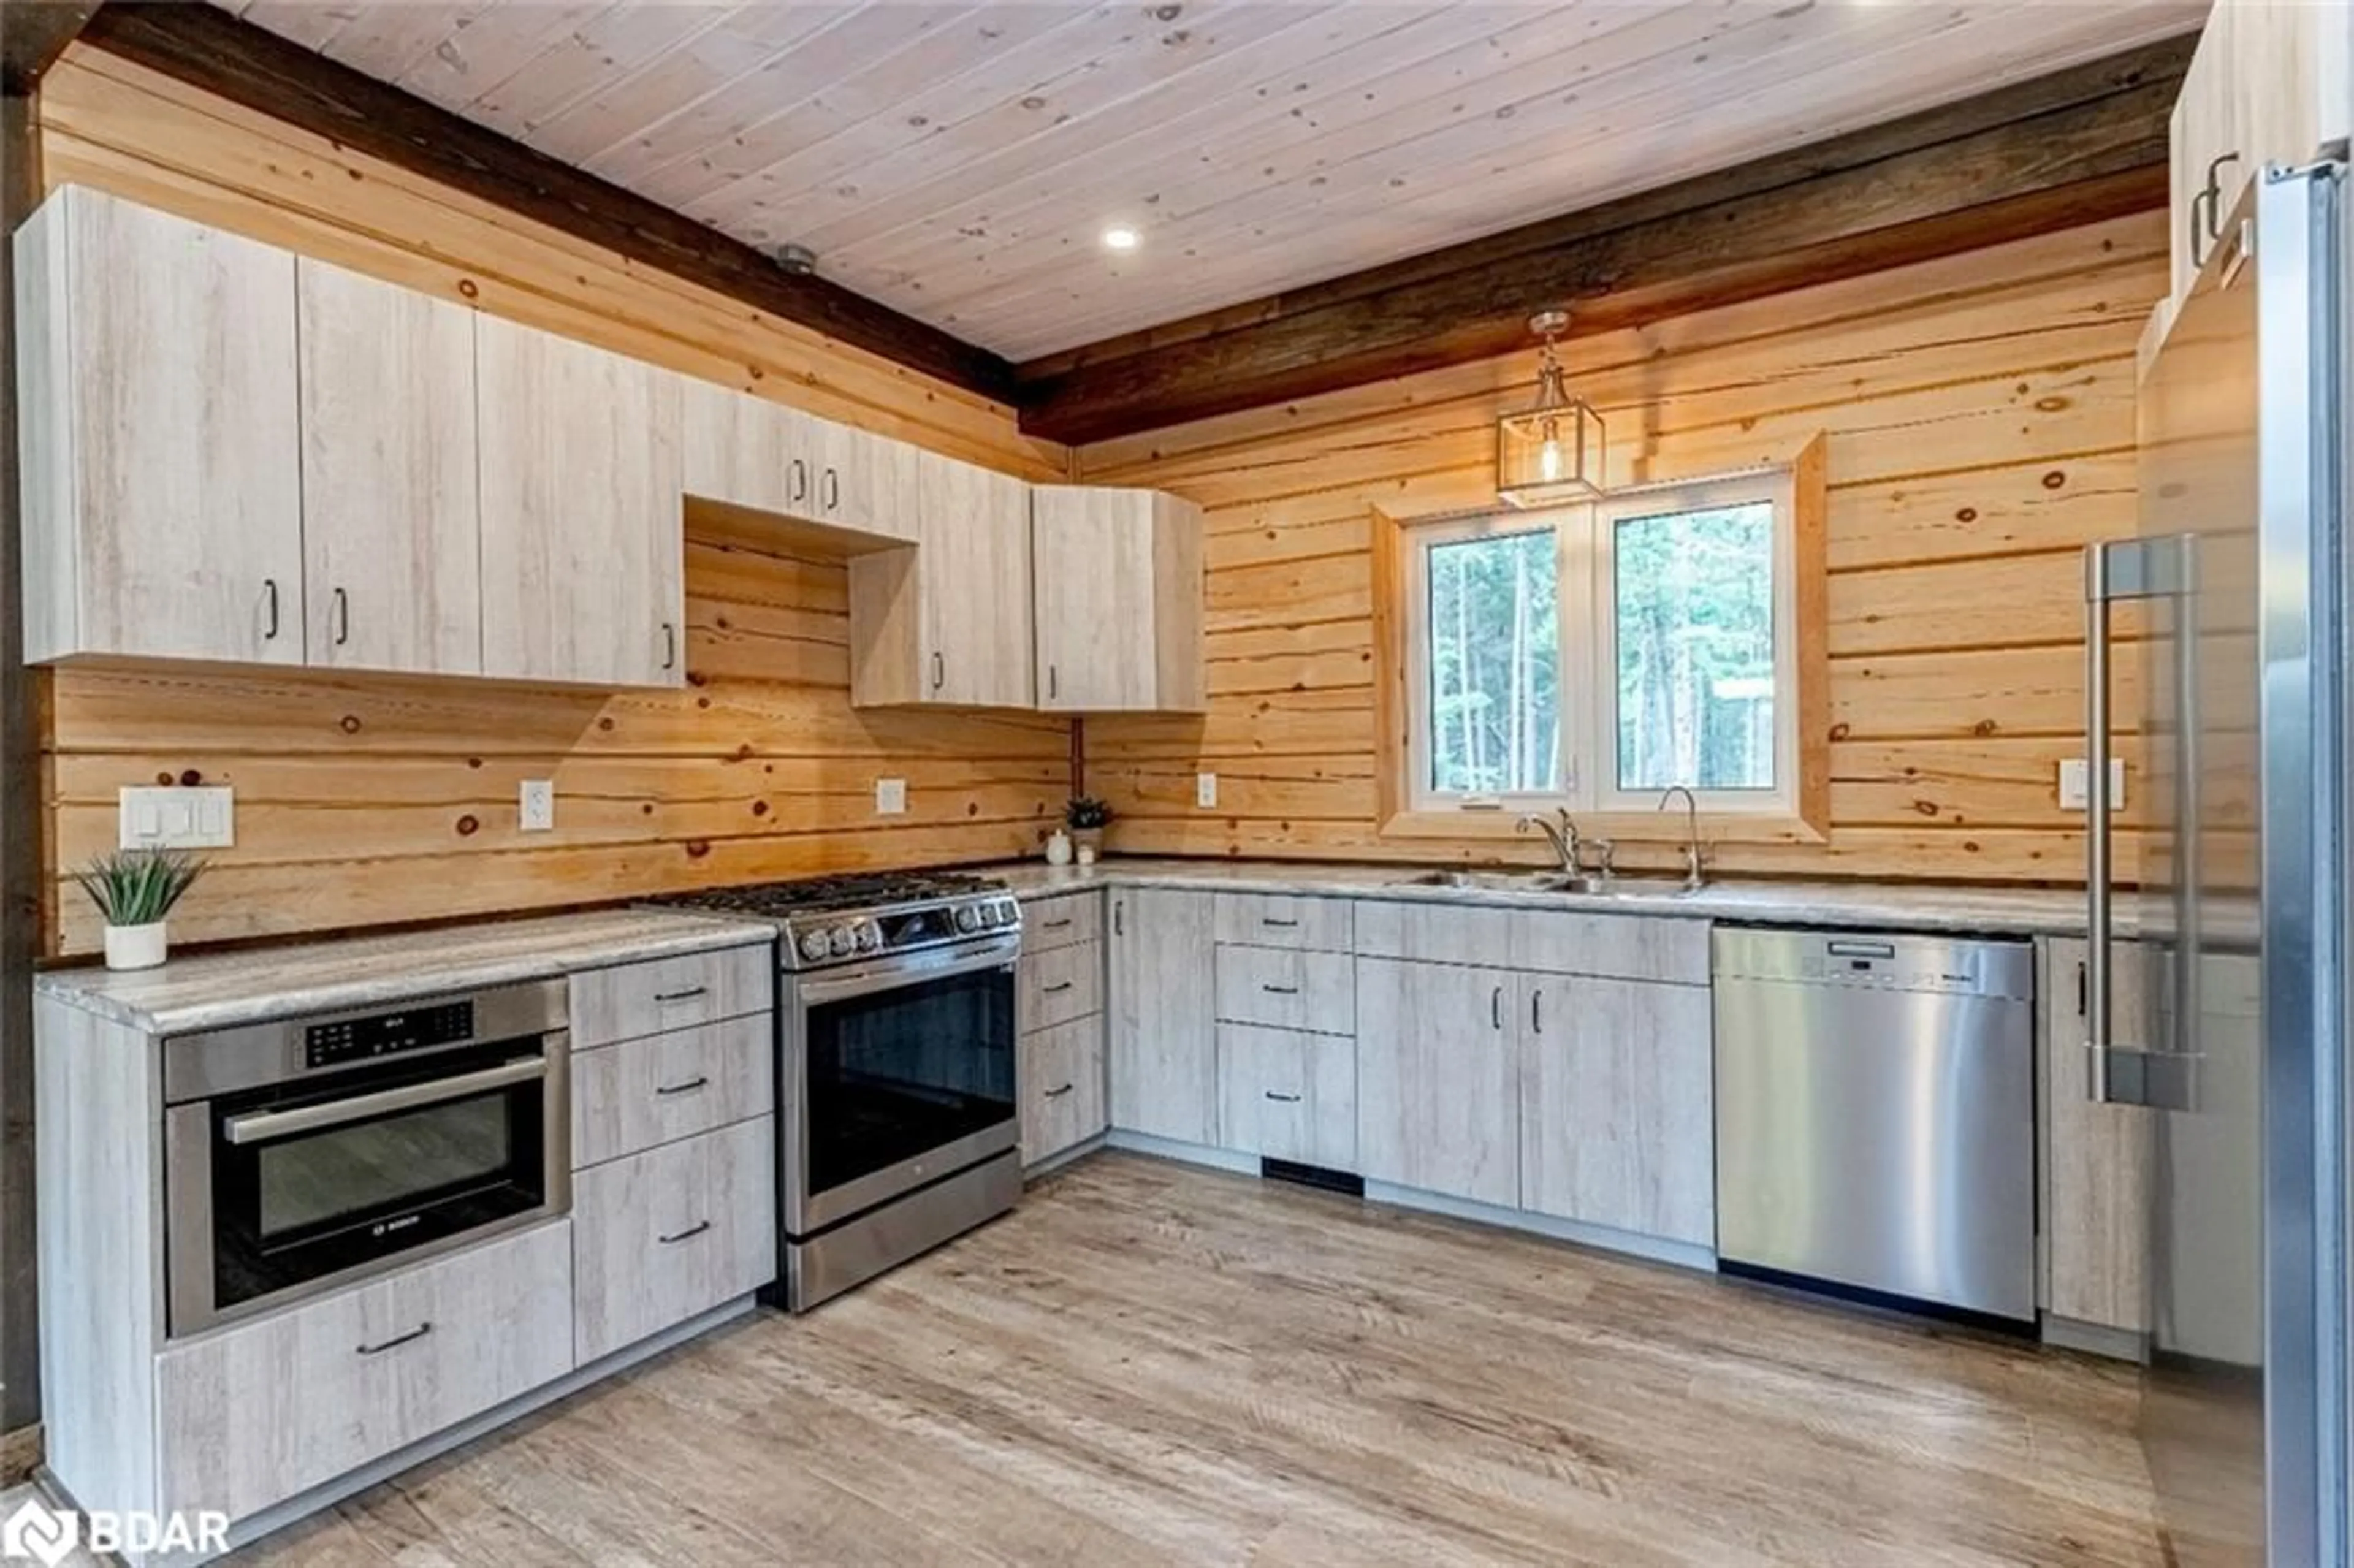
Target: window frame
{"type": "Point", "coordinates": [1585, 560]}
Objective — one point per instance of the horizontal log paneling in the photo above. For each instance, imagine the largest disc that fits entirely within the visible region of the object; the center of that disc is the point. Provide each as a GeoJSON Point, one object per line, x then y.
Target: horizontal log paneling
{"type": "Point", "coordinates": [363, 801]}
{"type": "Point", "coordinates": [1979, 417]}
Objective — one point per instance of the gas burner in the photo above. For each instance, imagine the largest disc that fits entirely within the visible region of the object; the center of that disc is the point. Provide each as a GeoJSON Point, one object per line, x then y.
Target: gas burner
{"type": "Point", "coordinates": [828, 920]}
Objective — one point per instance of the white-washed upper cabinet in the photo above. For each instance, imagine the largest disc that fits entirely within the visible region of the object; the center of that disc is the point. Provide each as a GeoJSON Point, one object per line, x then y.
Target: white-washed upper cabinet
{"type": "Point", "coordinates": [1118, 599]}
{"type": "Point", "coordinates": [157, 394]}
{"type": "Point", "coordinates": [391, 519]}
{"type": "Point", "coordinates": [742, 450]}
{"type": "Point", "coordinates": [582, 545]}
{"type": "Point", "coordinates": [948, 619]}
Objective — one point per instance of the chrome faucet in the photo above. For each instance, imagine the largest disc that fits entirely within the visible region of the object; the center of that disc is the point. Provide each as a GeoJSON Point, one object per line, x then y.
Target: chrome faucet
{"type": "Point", "coordinates": [1691, 825]}
{"type": "Point", "coordinates": [1563, 837]}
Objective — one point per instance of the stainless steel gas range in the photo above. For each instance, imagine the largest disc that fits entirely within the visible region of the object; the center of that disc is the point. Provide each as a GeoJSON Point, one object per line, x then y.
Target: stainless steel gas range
{"type": "Point", "coordinates": [895, 1062]}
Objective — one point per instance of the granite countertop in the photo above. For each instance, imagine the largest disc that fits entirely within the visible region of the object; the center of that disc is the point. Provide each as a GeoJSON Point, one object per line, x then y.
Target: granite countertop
{"type": "Point", "coordinates": [1903, 906]}
{"type": "Point", "coordinates": [215, 990]}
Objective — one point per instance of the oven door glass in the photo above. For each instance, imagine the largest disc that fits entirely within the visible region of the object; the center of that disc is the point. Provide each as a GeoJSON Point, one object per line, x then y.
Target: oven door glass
{"type": "Point", "coordinates": [371, 1164]}
{"type": "Point", "coordinates": [904, 1072]}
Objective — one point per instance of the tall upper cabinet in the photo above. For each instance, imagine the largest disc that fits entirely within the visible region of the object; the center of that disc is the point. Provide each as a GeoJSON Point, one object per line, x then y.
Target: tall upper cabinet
{"type": "Point", "coordinates": [156, 372]}
{"type": "Point", "coordinates": [947, 619]}
{"type": "Point", "coordinates": [583, 571]}
{"type": "Point", "coordinates": [1119, 597]}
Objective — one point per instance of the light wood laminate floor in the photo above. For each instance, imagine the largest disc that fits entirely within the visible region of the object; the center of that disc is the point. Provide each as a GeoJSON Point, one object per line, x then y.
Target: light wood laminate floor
{"type": "Point", "coordinates": [1148, 1362]}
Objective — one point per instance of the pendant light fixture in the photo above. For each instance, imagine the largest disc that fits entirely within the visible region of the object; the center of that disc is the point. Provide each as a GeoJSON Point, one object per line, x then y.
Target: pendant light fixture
{"type": "Point", "coordinates": [1549, 452]}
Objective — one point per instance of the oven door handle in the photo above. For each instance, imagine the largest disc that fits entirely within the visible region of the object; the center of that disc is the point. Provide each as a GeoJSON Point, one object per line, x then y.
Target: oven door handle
{"type": "Point", "coordinates": [261, 1127]}
{"type": "Point", "coordinates": [815, 990]}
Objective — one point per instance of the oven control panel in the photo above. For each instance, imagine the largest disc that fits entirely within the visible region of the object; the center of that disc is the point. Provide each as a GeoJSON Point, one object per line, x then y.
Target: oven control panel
{"type": "Point", "coordinates": [387, 1033]}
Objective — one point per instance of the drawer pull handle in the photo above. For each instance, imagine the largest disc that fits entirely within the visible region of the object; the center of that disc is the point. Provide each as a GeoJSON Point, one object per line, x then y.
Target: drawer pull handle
{"type": "Point", "coordinates": [1279, 990]}
{"type": "Point", "coordinates": [1056, 1094]}
{"type": "Point", "coordinates": [690, 1231]}
{"type": "Point", "coordinates": [1059, 985]}
{"type": "Point", "coordinates": [1282, 1099]}
{"type": "Point", "coordinates": [1496, 1007]}
{"type": "Point", "coordinates": [687, 1088]}
{"type": "Point", "coordinates": [1054, 925]}
{"type": "Point", "coordinates": [397, 1340]}
{"type": "Point", "coordinates": [1271, 921]}
{"type": "Point", "coordinates": [689, 994]}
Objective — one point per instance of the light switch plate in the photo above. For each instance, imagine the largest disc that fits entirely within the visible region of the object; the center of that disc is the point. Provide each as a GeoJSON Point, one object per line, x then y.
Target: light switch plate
{"type": "Point", "coordinates": [1205, 789]}
{"type": "Point", "coordinates": [890, 797]}
{"type": "Point", "coordinates": [2074, 783]}
{"type": "Point", "coordinates": [176, 817]}
{"type": "Point", "coordinates": [537, 809]}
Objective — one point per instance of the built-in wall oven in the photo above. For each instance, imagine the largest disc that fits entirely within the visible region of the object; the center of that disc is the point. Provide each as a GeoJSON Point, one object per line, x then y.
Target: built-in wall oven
{"type": "Point", "coordinates": [897, 1103]}
{"type": "Point", "coordinates": [304, 1154]}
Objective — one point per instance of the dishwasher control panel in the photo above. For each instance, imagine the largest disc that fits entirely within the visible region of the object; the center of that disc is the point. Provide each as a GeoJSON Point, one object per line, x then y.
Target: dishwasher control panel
{"type": "Point", "coordinates": [1877, 960]}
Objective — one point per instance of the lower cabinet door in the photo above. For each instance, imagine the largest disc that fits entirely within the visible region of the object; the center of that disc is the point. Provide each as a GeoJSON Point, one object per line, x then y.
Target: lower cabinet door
{"type": "Point", "coordinates": [675, 1231]}
{"type": "Point", "coordinates": [1285, 1095]}
{"type": "Point", "coordinates": [256, 1414]}
{"type": "Point", "coordinates": [1062, 1074]}
{"type": "Point", "coordinates": [1439, 1079]}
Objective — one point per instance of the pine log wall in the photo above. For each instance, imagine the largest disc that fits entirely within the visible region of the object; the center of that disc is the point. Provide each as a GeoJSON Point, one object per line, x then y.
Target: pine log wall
{"type": "Point", "coordinates": [367, 801]}
{"type": "Point", "coordinates": [1979, 414]}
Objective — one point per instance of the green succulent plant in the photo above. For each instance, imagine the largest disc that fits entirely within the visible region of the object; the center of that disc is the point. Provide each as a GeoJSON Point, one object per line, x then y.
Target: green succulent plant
{"type": "Point", "coordinates": [1085, 811]}
{"type": "Point", "coordinates": [138, 886]}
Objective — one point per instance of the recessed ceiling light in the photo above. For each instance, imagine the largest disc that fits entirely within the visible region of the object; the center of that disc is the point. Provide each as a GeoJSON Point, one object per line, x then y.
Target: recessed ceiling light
{"type": "Point", "coordinates": [1119, 236]}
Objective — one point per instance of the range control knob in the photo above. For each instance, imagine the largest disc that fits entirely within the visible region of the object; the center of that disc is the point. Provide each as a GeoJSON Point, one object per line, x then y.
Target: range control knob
{"type": "Point", "coordinates": [870, 936]}
{"type": "Point", "coordinates": [1007, 913]}
{"type": "Point", "coordinates": [968, 917]}
{"type": "Point", "coordinates": [841, 941]}
{"type": "Point", "coordinates": [812, 944]}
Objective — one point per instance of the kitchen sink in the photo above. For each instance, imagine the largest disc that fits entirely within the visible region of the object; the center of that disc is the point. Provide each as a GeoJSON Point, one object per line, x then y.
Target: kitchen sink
{"type": "Point", "coordinates": [1631, 888]}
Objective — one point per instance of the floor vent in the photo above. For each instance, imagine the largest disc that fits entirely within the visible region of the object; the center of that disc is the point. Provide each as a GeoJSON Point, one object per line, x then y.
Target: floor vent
{"type": "Point", "coordinates": [1311, 1176]}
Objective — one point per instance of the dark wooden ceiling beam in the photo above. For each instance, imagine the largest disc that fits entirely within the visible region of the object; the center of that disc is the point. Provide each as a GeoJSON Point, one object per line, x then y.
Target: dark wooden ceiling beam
{"type": "Point", "coordinates": [2074, 147]}
{"type": "Point", "coordinates": [208, 47]}
{"type": "Point", "coordinates": [33, 34]}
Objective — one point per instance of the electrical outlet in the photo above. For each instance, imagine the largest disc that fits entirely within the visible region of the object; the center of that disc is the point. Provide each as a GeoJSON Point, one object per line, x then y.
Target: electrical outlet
{"type": "Point", "coordinates": [537, 807]}
{"type": "Point", "coordinates": [2076, 783]}
{"type": "Point", "coordinates": [1206, 790]}
{"type": "Point", "coordinates": [890, 797]}
{"type": "Point", "coordinates": [156, 816]}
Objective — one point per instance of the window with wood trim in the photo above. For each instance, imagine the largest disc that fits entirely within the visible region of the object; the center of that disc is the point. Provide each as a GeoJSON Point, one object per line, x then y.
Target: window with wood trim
{"type": "Point", "coordinates": [1595, 656]}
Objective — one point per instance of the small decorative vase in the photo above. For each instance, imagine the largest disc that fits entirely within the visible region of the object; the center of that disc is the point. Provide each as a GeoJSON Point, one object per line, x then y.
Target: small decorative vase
{"type": "Point", "coordinates": [1058, 848]}
{"type": "Point", "coordinates": [1086, 854]}
{"type": "Point", "coordinates": [136, 947]}
{"type": "Point", "coordinates": [1089, 840]}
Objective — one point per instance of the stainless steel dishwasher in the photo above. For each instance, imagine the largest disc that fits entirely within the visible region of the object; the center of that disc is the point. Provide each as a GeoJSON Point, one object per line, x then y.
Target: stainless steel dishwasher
{"type": "Point", "coordinates": [1876, 1113]}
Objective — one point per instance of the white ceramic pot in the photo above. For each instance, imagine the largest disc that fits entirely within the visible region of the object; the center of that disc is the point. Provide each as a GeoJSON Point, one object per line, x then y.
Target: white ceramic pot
{"type": "Point", "coordinates": [1058, 848]}
{"type": "Point", "coordinates": [136, 947]}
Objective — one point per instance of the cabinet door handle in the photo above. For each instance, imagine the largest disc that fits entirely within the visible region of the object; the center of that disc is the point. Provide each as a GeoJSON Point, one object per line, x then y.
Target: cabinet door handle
{"type": "Point", "coordinates": [397, 1340]}
{"type": "Point", "coordinates": [1054, 682]}
{"type": "Point", "coordinates": [1057, 986]}
{"type": "Point", "coordinates": [687, 1088]}
{"type": "Point", "coordinates": [939, 669]}
{"type": "Point", "coordinates": [670, 646]}
{"type": "Point", "coordinates": [692, 1231]}
{"type": "Point", "coordinates": [1282, 1099]}
{"type": "Point", "coordinates": [832, 489]}
{"type": "Point", "coordinates": [1057, 1093]}
{"type": "Point", "coordinates": [1278, 990]}
{"type": "Point", "coordinates": [2215, 192]}
{"type": "Point", "coordinates": [1496, 1007]}
{"type": "Point", "coordinates": [689, 994]}
{"type": "Point", "coordinates": [1536, 1012]}
{"type": "Point", "coordinates": [800, 472]}
{"type": "Point", "coordinates": [269, 589]}
{"type": "Point", "coordinates": [1118, 923]}
{"type": "Point", "coordinates": [342, 617]}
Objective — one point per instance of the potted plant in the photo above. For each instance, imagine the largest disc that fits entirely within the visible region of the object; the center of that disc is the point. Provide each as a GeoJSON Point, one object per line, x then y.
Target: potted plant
{"type": "Point", "coordinates": [134, 889]}
{"type": "Point", "coordinates": [1087, 817]}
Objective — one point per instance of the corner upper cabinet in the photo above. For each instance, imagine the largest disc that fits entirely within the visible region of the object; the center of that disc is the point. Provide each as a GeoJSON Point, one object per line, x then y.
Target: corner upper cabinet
{"type": "Point", "coordinates": [1119, 601]}
{"type": "Point", "coordinates": [156, 387]}
{"type": "Point", "coordinates": [391, 519]}
{"type": "Point", "coordinates": [948, 619]}
{"type": "Point", "coordinates": [583, 557]}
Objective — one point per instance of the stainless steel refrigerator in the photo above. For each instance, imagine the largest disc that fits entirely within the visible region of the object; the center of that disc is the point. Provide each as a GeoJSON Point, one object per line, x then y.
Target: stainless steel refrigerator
{"type": "Point", "coordinates": [2218, 651]}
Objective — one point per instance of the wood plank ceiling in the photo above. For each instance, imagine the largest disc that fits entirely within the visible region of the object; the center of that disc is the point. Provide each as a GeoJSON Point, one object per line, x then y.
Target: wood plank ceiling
{"type": "Point", "coordinates": [960, 163]}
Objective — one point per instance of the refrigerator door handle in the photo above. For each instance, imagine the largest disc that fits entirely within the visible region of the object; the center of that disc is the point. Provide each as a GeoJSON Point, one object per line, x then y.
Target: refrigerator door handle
{"type": "Point", "coordinates": [2122, 570]}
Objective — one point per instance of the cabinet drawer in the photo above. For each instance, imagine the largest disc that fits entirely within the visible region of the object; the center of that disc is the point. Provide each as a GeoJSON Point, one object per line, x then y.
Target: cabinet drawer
{"type": "Point", "coordinates": [1284, 920]}
{"type": "Point", "coordinates": [663, 1088]}
{"type": "Point", "coordinates": [632, 999]}
{"type": "Point", "coordinates": [1610, 946]}
{"type": "Point", "coordinates": [258, 1414]}
{"type": "Point", "coordinates": [1049, 923]}
{"type": "Point", "coordinates": [1430, 931]}
{"type": "Point", "coordinates": [1062, 1071]}
{"type": "Point", "coordinates": [1059, 985]}
{"type": "Point", "coordinates": [1284, 989]}
{"type": "Point", "coordinates": [675, 1231]}
{"type": "Point", "coordinates": [1288, 1096]}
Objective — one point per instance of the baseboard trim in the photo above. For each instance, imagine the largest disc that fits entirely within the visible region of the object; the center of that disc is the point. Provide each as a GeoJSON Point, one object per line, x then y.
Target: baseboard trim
{"type": "Point", "coordinates": [2095, 1338]}
{"type": "Point", "coordinates": [1053, 1162]}
{"type": "Point", "coordinates": [1602, 1238]}
{"type": "Point", "coordinates": [1189, 1153]}
{"type": "Point", "coordinates": [21, 1452]}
